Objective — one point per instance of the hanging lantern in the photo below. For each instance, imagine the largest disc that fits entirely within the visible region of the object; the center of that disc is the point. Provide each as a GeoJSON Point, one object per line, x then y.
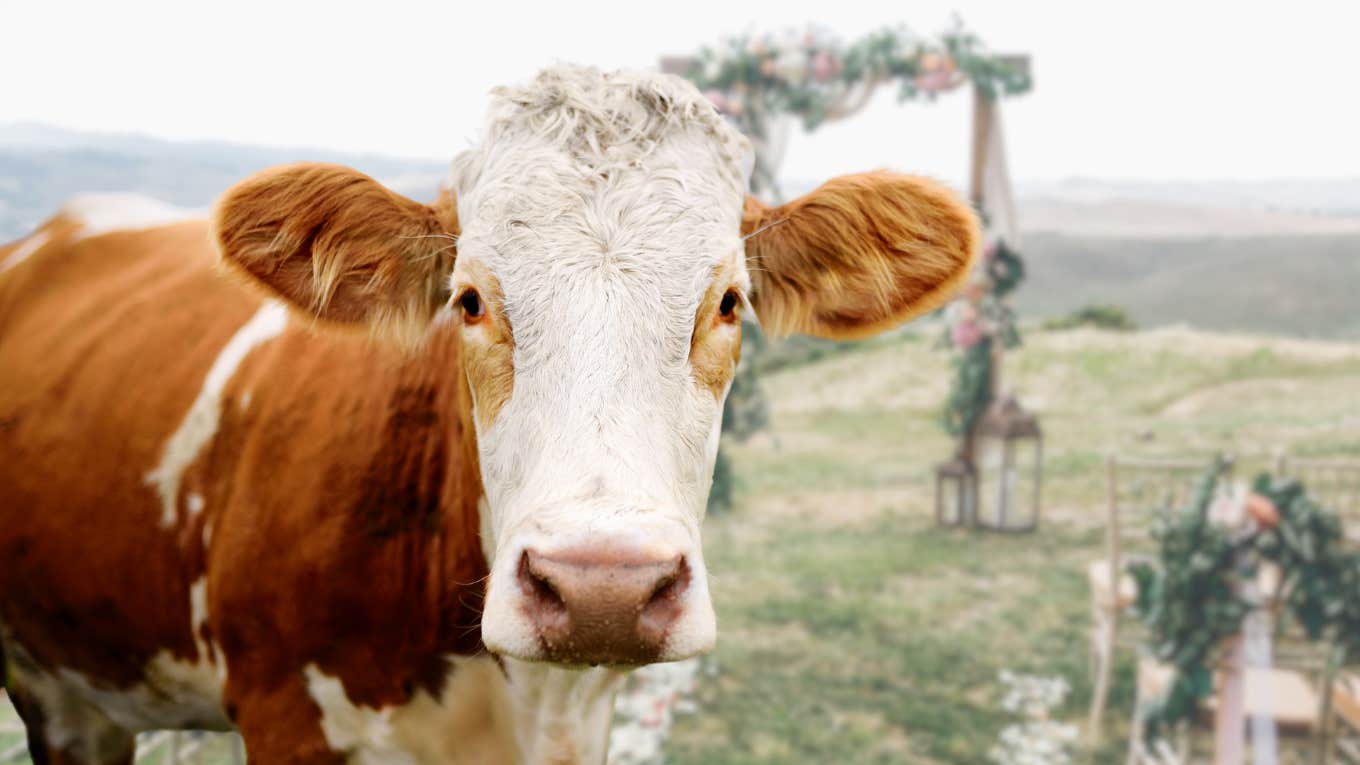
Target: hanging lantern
{"type": "Point", "coordinates": [954, 489]}
{"type": "Point", "coordinates": [1007, 467]}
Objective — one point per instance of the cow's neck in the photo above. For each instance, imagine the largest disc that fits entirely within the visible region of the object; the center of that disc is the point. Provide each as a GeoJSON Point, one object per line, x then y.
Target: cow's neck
{"type": "Point", "coordinates": [561, 715]}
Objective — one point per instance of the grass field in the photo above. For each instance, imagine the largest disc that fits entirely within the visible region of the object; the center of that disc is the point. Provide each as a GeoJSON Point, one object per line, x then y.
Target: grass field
{"type": "Point", "coordinates": [851, 630]}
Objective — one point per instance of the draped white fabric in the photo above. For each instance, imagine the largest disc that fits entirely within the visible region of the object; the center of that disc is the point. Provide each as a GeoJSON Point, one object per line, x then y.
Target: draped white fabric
{"type": "Point", "coordinates": [998, 197]}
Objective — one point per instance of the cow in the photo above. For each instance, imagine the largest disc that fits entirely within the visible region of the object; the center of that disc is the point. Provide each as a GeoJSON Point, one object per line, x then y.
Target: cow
{"type": "Point", "coordinates": [371, 480]}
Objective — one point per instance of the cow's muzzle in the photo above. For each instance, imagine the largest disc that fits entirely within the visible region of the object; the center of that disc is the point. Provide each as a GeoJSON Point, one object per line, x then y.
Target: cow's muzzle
{"type": "Point", "coordinates": [596, 605]}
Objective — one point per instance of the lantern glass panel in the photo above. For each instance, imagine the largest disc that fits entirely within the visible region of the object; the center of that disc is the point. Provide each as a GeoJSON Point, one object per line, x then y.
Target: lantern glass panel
{"type": "Point", "coordinates": [1026, 475]}
{"type": "Point", "coordinates": [991, 460]}
{"type": "Point", "coordinates": [953, 494]}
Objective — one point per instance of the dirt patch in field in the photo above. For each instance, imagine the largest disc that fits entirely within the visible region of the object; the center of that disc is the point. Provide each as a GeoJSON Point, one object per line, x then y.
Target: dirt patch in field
{"type": "Point", "coordinates": [1196, 403]}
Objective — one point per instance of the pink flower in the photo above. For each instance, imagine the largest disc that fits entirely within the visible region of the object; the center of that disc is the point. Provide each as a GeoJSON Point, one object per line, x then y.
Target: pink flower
{"type": "Point", "coordinates": [990, 251]}
{"type": "Point", "coordinates": [935, 81]}
{"type": "Point", "coordinates": [966, 333]}
{"type": "Point", "coordinates": [718, 99]}
{"type": "Point", "coordinates": [824, 66]}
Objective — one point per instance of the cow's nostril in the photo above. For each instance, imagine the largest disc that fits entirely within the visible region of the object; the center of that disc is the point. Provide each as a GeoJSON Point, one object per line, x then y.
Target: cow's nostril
{"type": "Point", "coordinates": [550, 610]}
{"type": "Point", "coordinates": [665, 605]}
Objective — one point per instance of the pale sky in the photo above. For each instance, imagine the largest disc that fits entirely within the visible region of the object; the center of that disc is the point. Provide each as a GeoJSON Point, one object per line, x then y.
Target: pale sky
{"type": "Point", "coordinates": [1156, 89]}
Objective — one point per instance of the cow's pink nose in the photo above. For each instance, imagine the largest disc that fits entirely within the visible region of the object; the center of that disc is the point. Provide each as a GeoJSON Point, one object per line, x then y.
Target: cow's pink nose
{"type": "Point", "coordinates": [599, 606]}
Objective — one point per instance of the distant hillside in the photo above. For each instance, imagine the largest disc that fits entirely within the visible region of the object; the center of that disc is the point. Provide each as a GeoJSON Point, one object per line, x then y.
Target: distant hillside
{"type": "Point", "coordinates": [1295, 285]}
{"type": "Point", "coordinates": [1271, 256]}
{"type": "Point", "coordinates": [1133, 217]}
{"type": "Point", "coordinates": [41, 167]}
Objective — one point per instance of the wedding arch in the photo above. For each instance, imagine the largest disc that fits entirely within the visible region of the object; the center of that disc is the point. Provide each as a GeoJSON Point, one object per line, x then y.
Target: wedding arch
{"type": "Point", "coordinates": [767, 83]}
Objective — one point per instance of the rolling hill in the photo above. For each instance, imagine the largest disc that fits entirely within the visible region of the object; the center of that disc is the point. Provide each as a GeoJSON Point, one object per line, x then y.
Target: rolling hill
{"type": "Point", "coordinates": [1280, 257]}
{"type": "Point", "coordinates": [1290, 285]}
{"type": "Point", "coordinates": [42, 166]}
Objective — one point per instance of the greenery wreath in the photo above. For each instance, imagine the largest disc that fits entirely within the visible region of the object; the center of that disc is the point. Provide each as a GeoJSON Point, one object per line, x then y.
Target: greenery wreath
{"type": "Point", "coordinates": [1191, 595]}
{"type": "Point", "coordinates": [980, 317]}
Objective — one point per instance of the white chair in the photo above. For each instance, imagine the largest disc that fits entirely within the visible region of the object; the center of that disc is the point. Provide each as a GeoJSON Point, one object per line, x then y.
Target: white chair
{"type": "Point", "coordinates": [1344, 719]}
{"type": "Point", "coordinates": [1136, 489]}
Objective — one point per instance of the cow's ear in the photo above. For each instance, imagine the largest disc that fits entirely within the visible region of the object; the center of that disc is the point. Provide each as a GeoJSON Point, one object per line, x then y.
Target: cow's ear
{"type": "Point", "coordinates": [859, 255]}
{"type": "Point", "coordinates": [339, 246]}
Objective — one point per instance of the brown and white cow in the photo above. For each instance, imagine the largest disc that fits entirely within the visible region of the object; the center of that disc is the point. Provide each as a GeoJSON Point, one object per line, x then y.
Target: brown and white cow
{"type": "Point", "coordinates": [422, 481]}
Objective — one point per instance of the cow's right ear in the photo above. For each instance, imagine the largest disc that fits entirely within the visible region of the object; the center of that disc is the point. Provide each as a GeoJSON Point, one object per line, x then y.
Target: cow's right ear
{"type": "Point", "coordinates": [339, 246]}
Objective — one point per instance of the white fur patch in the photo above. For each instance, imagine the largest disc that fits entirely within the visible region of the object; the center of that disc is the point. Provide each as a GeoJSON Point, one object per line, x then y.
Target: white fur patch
{"type": "Point", "coordinates": [603, 204]}
{"type": "Point", "coordinates": [562, 714]}
{"type": "Point", "coordinates": [198, 612]}
{"type": "Point", "coordinates": [100, 213]}
{"type": "Point", "coordinates": [469, 723]}
{"type": "Point", "coordinates": [200, 424]}
{"type": "Point", "coordinates": [79, 711]}
{"type": "Point", "coordinates": [27, 247]}
{"type": "Point", "coordinates": [172, 694]}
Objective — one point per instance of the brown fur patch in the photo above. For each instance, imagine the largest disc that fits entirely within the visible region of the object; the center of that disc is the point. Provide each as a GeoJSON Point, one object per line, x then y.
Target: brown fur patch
{"type": "Point", "coordinates": [341, 485]}
{"type": "Point", "coordinates": [858, 255]}
{"type": "Point", "coordinates": [338, 245]}
{"type": "Point", "coordinates": [715, 346]}
{"type": "Point", "coordinates": [489, 342]}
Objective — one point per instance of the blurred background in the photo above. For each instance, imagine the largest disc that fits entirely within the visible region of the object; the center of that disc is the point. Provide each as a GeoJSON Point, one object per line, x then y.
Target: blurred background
{"type": "Point", "coordinates": [1172, 192]}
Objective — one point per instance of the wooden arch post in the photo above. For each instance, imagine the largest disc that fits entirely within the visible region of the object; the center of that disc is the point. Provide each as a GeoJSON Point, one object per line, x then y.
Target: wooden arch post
{"type": "Point", "coordinates": [984, 118]}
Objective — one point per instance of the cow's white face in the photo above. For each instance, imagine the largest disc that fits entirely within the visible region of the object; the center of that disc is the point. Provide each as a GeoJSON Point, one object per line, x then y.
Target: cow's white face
{"type": "Point", "coordinates": [604, 254]}
{"type": "Point", "coordinates": [600, 278]}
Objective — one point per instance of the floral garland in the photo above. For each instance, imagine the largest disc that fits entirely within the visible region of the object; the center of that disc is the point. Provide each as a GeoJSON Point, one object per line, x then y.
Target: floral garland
{"type": "Point", "coordinates": [1192, 598]}
{"type": "Point", "coordinates": [980, 317]}
{"type": "Point", "coordinates": [808, 73]}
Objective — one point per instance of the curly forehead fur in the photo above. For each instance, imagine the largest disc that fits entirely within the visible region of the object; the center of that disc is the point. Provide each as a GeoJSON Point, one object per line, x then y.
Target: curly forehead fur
{"type": "Point", "coordinates": [610, 120]}
{"type": "Point", "coordinates": [602, 204]}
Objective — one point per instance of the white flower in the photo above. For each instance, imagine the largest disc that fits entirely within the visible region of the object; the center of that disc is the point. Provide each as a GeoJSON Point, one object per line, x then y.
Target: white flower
{"type": "Point", "coordinates": [791, 65]}
{"type": "Point", "coordinates": [646, 708]}
{"type": "Point", "coordinates": [713, 66]}
{"type": "Point", "coordinates": [1038, 740]}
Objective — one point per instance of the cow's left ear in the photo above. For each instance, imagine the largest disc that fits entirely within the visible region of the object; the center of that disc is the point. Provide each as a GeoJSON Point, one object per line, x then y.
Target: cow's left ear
{"type": "Point", "coordinates": [860, 254]}
{"type": "Point", "coordinates": [340, 246]}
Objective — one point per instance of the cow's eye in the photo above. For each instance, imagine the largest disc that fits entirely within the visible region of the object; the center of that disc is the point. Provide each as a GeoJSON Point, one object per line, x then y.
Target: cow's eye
{"type": "Point", "coordinates": [472, 304]}
{"type": "Point", "coordinates": [728, 307]}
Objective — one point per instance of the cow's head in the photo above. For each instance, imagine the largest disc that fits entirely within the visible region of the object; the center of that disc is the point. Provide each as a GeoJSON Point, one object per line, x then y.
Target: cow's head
{"type": "Point", "coordinates": [605, 253]}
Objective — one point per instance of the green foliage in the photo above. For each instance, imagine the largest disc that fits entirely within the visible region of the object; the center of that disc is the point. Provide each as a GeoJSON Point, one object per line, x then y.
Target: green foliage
{"type": "Point", "coordinates": [1101, 316]}
{"type": "Point", "coordinates": [981, 316]}
{"type": "Point", "coordinates": [1322, 577]}
{"type": "Point", "coordinates": [1189, 601]}
{"type": "Point", "coordinates": [1005, 270]}
{"type": "Point", "coordinates": [723, 492]}
{"type": "Point", "coordinates": [971, 392]}
{"type": "Point", "coordinates": [806, 74]}
{"type": "Point", "coordinates": [1191, 596]}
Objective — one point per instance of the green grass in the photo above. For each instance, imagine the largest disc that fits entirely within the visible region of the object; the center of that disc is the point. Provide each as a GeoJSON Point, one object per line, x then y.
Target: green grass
{"type": "Point", "coordinates": [851, 630]}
